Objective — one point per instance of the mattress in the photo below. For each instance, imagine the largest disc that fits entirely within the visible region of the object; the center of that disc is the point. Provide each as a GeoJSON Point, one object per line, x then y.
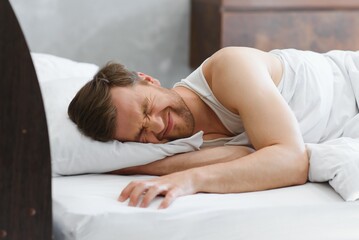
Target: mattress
{"type": "Point", "coordinates": [86, 207]}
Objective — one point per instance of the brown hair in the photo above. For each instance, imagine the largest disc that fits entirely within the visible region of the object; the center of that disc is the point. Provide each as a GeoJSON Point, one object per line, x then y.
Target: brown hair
{"type": "Point", "coordinates": [92, 109]}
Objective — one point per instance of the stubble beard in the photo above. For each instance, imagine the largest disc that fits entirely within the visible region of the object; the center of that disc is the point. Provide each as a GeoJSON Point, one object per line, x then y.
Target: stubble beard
{"type": "Point", "coordinates": [182, 110]}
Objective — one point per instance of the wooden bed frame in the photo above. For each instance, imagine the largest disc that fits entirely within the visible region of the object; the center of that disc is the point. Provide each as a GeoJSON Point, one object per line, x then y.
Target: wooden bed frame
{"type": "Point", "coordinates": [25, 163]}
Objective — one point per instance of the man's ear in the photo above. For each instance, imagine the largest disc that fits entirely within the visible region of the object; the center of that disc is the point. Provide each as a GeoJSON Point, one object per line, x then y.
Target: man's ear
{"type": "Point", "coordinates": [149, 79]}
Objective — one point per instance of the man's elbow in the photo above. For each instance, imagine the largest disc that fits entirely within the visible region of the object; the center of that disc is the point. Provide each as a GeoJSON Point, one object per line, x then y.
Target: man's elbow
{"type": "Point", "coordinates": [301, 168]}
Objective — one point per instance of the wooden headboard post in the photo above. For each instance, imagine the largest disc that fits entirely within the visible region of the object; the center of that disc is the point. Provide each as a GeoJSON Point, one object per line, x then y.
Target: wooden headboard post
{"type": "Point", "coordinates": [25, 164]}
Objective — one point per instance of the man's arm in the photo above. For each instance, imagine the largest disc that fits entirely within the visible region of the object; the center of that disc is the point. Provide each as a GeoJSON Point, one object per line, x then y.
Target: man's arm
{"type": "Point", "coordinates": [184, 161]}
{"type": "Point", "coordinates": [241, 81]}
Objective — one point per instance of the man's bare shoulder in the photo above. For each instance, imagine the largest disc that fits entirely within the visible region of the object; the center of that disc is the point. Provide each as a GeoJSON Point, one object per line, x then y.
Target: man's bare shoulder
{"type": "Point", "coordinates": [235, 58]}
{"type": "Point", "coordinates": [227, 55]}
{"type": "Point", "coordinates": [238, 52]}
{"type": "Point", "coordinates": [233, 68]}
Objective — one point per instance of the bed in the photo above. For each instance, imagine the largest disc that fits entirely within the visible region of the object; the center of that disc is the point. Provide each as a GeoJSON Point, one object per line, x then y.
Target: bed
{"type": "Point", "coordinates": [84, 206]}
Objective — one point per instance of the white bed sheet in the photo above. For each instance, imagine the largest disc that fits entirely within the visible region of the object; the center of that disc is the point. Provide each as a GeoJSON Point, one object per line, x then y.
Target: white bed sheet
{"type": "Point", "coordinates": [85, 207]}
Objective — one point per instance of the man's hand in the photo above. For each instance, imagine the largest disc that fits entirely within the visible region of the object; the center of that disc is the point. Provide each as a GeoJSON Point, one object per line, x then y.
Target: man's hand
{"type": "Point", "coordinates": [170, 186]}
{"type": "Point", "coordinates": [181, 180]}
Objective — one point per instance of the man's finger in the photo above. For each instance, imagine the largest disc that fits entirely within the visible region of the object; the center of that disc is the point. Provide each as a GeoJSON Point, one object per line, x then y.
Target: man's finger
{"type": "Point", "coordinates": [152, 192]}
{"type": "Point", "coordinates": [125, 194]}
{"type": "Point", "coordinates": [137, 192]}
{"type": "Point", "coordinates": [169, 198]}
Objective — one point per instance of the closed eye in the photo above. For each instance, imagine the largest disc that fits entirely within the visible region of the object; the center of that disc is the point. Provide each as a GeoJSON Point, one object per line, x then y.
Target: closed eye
{"type": "Point", "coordinates": [146, 113]}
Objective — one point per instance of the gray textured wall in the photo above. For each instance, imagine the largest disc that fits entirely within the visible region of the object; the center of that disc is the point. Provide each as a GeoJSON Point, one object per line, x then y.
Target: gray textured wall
{"type": "Point", "coordinates": [151, 36]}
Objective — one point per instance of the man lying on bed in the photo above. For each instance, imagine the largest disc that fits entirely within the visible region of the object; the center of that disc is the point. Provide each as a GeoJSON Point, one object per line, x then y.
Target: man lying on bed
{"type": "Point", "coordinates": [266, 103]}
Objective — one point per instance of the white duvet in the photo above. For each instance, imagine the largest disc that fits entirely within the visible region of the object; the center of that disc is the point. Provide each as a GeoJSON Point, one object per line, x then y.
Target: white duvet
{"type": "Point", "coordinates": [323, 92]}
{"type": "Point", "coordinates": [336, 161]}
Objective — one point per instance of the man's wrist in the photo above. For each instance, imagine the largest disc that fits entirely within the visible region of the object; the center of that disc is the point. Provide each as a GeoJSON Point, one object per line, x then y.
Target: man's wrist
{"type": "Point", "coordinates": [197, 178]}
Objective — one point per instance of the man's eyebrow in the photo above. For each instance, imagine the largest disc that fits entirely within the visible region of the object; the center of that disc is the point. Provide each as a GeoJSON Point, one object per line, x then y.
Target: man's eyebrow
{"type": "Point", "coordinates": [144, 109]}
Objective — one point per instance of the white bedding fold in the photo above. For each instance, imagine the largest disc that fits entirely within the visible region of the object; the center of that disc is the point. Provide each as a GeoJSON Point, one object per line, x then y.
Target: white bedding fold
{"type": "Point", "coordinates": [336, 161]}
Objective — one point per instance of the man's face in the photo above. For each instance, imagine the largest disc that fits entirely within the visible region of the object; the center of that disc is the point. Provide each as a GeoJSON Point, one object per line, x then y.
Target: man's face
{"type": "Point", "coordinates": [149, 113]}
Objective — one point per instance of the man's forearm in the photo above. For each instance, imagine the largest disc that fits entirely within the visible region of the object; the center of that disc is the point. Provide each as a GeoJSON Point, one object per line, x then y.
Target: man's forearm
{"type": "Point", "coordinates": [268, 168]}
{"type": "Point", "coordinates": [184, 161]}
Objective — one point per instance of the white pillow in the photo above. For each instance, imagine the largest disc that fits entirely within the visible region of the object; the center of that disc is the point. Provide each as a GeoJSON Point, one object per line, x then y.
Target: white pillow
{"type": "Point", "coordinates": [71, 151]}
{"type": "Point", "coordinates": [50, 68]}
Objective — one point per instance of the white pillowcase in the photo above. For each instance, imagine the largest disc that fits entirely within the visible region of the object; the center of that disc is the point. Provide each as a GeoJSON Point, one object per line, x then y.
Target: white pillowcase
{"type": "Point", "coordinates": [71, 151]}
